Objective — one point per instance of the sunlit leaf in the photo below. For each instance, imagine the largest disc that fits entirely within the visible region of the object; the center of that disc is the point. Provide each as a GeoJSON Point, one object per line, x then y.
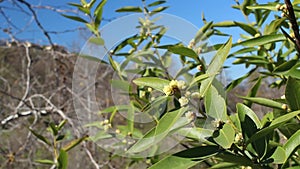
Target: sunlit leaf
{"type": "Point", "coordinates": [174, 162]}
{"type": "Point", "coordinates": [225, 136]}
{"type": "Point", "coordinates": [76, 18]}
{"type": "Point", "coordinates": [97, 41]}
{"type": "Point", "coordinates": [62, 160]}
{"type": "Point", "coordinates": [74, 143]}
{"type": "Point", "coordinates": [215, 66]}
{"type": "Point", "coordinates": [154, 82]}
{"type": "Point", "coordinates": [262, 40]}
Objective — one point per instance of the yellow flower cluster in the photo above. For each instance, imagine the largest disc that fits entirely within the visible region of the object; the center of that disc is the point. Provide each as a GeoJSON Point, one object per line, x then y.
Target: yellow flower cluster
{"type": "Point", "coordinates": [173, 86]}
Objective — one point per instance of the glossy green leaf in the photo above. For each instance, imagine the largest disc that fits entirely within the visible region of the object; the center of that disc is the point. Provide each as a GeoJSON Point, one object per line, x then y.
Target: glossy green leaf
{"type": "Point", "coordinates": [235, 159]}
{"type": "Point", "coordinates": [292, 93]}
{"type": "Point", "coordinates": [174, 162]}
{"type": "Point", "coordinates": [97, 41]}
{"type": "Point", "coordinates": [244, 111]}
{"type": "Point", "coordinates": [53, 128]}
{"type": "Point", "coordinates": [158, 133]}
{"type": "Point", "coordinates": [264, 102]}
{"type": "Point", "coordinates": [62, 160]}
{"type": "Point", "coordinates": [74, 143]}
{"type": "Point", "coordinates": [292, 144]}
{"type": "Point", "coordinates": [130, 9]}
{"type": "Point", "coordinates": [184, 51]}
{"type": "Point", "coordinates": [279, 156]}
{"type": "Point", "coordinates": [225, 136]}
{"type": "Point", "coordinates": [250, 124]}
{"type": "Point", "coordinates": [262, 40]}
{"type": "Point", "coordinates": [215, 104]}
{"type": "Point", "coordinates": [156, 3]}
{"type": "Point", "coordinates": [285, 66]}
{"type": "Point", "coordinates": [40, 137]}
{"type": "Point", "coordinates": [154, 82]}
{"type": "Point", "coordinates": [274, 124]}
{"type": "Point", "coordinates": [215, 66]}
{"type": "Point", "coordinates": [62, 124]}
{"type": "Point", "coordinates": [76, 18]}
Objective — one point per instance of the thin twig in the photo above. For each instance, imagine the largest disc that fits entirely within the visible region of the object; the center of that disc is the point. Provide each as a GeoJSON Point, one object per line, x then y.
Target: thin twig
{"type": "Point", "coordinates": [293, 20]}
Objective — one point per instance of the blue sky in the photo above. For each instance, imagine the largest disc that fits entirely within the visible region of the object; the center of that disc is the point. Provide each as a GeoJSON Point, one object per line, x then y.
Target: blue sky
{"type": "Point", "coordinates": [214, 10]}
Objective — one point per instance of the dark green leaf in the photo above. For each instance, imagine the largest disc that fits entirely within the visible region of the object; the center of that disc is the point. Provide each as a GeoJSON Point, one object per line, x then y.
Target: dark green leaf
{"type": "Point", "coordinates": [247, 27]}
{"type": "Point", "coordinates": [130, 9]}
{"type": "Point", "coordinates": [76, 18]}
{"type": "Point", "coordinates": [274, 124]}
{"type": "Point", "coordinates": [292, 93]}
{"type": "Point", "coordinates": [156, 3]}
{"type": "Point", "coordinates": [200, 152]}
{"type": "Point", "coordinates": [40, 137]}
{"type": "Point", "coordinates": [74, 143]}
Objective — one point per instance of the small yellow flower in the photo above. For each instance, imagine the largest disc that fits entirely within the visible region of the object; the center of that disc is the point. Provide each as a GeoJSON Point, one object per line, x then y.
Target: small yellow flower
{"type": "Point", "coordinates": [238, 138]}
{"type": "Point", "coordinates": [168, 90]}
{"type": "Point", "coordinates": [183, 101]}
{"type": "Point", "coordinates": [190, 116]}
{"type": "Point", "coordinates": [181, 84]}
{"type": "Point", "coordinates": [195, 95]}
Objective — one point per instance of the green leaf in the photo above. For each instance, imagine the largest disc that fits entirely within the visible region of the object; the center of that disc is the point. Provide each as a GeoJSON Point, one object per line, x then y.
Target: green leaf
{"type": "Point", "coordinates": [244, 112]}
{"type": "Point", "coordinates": [202, 31]}
{"type": "Point", "coordinates": [76, 18]}
{"type": "Point", "coordinates": [247, 27]}
{"type": "Point", "coordinates": [250, 125]}
{"type": "Point", "coordinates": [279, 156]}
{"type": "Point", "coordinates": [97, 41]}
{"type": "Point", "coordinates": [292, 144]}
{"type": "Point", "coordinates": [262, 40]}
{"type": "Point", "coordinates": [224, 24]}
{"type": "Point", "coordinates": [198, 79]}
{"type": "Point", "coordinates": [235, 159]}
{"type": "Point", "coordinates": [156, 3]}
{"type": "Point", "coordinates": [225, 136]}
{"type": "Point", "coordinates": [98, 13]}
{"type": "Point", "coordinates": [252, 92]}
{"type": "Point", "coordinates": [157, 134]}
{"type": "Point", "coordinates": [184, 51]}
{"type": "Point", "coordinates": [53, 128]}
{"type": "Point", "coordinates": [285, 66]}
{"type": "Point", "coordinates": [200, 152]}
{"type": "Point", "coordinates": [215, 66]}
{"type": "Point", "coordinates": [274, 124]}
{"type": "Point", "coordinates": [154, 82]}
{"type": "Point", "coordinates": [74, 143]}
{"type": "Point", "coordinates": [264, 102]}
{"type": "Point", "coordinates": [40, 137]}
{"type": "Point", "coordinates": [62, 160]}
{"type": "Point", "coordinates": [157, 10]}
{"type": "Point", "coordinates": [45, 161]}
{"type": "Point", "coordinates": [215, 104]}
{"type": "Point", "coordinates": [61, 124]}
{"type": "Point", "coordinates": [196, 133]}
{"type": "Point", "coordinates": [174, 162]}
{"type": "Point", "coordinates": [292, 93]}
{"type": "Point", "coordinates": [271, 7]}
{"type": "Point", "coordinates": [130, 9]}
